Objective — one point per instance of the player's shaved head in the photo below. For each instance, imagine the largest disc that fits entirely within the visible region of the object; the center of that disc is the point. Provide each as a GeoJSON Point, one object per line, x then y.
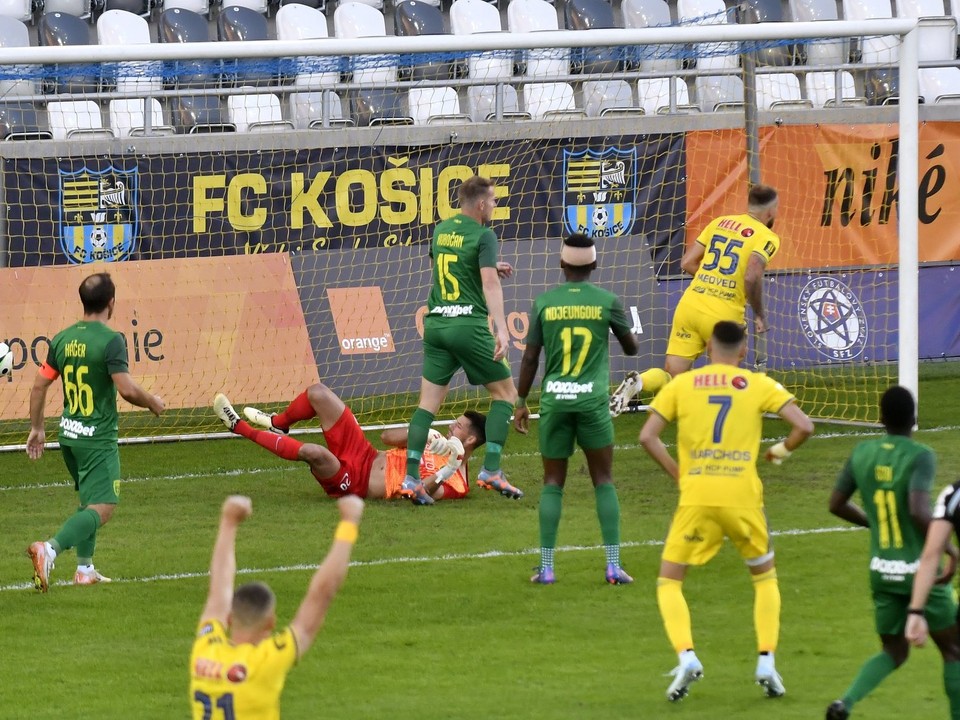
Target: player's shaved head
{"type": "Point", "coordinates": [729, 335]}
{"type": "Point", "coordinates": [898, 410]}
{"type": "Point", "coordinates": [478, 426]}
{"type": "Point", "coordinates": [96, 292]}
{"type": "Point", "coordinates": [253, 605]}
{"type": "Point", "coordinates": [761, 197]}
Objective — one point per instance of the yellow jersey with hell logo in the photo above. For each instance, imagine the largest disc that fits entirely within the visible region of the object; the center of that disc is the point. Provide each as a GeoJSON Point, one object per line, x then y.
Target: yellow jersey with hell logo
{"type": "Point", "coordinates": [719, 414]}
{"type": "Point", "coordinates": [718, 287]}
{"type": "Point", "coordinates": [238, 681]}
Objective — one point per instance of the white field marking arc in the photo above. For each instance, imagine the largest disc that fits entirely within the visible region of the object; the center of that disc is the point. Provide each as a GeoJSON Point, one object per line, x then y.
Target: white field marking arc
{"type": "Point", "coordinates": [452, 557]}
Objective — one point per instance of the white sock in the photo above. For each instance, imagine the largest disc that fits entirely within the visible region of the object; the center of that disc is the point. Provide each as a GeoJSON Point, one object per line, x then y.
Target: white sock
{"type": "Point", "coordinates": [85, 569]}
{"type": "Point", "coordinates": [687, 655]}
{"type": "Point", "coordinates": [50, 551]}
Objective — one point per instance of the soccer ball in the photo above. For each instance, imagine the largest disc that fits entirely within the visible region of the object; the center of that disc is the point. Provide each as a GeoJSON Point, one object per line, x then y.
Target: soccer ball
{"type": "Point", "coordinates": [600, 217]}
{"type": "Point", "coordinates": [6, 360]}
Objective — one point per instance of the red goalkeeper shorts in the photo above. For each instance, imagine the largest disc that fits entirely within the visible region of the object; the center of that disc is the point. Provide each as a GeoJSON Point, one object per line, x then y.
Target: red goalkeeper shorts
{"type": "Point", "coordinates": [356, 455]}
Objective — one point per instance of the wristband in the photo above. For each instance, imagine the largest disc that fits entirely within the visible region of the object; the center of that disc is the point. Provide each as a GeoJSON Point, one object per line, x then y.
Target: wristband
{"type": "Point", "coordinates": [914, 611]}
{"type": "Point", "coordinates": [346, 531]}
{"type": "Point", "coordinates": [521, 402]}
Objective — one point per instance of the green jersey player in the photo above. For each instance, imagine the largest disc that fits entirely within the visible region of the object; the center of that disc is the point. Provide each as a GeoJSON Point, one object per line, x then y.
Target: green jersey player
{"type": "Point", "coordinates": [894, 476]}
{"type": "Point", "coordinates": [573, 322]}
{"type": "Point", "coordinates": [91, 360]}
{"type": "Point", "coordinates": [466, 294]}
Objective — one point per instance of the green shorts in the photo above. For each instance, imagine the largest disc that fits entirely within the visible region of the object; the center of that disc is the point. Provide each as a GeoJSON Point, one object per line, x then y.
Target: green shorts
{"type": "Point", "coordinates": [592, 430]}
{"type": "Point", "coordinates": [95, 472]}
{"type": "Point", "coordinates": [451, 347]}
{"type": "Point", "coordinates": [890, 610]}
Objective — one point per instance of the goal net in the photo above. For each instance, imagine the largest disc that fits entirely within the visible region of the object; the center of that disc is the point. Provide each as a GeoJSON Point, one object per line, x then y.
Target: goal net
{"type": "Point", "coordinates": [268, 225]}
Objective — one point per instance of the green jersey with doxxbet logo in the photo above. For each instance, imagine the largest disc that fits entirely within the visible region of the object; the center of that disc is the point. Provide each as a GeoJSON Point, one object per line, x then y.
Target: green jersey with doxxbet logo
{"type": "Point", "coordinates": [86, 355]}
{"type": "Point", "coordinates": [885, 471]}
{"type": "Point", "coordinates": [572, 322]}
{"type": "Point", "coordinates": [461, 246]}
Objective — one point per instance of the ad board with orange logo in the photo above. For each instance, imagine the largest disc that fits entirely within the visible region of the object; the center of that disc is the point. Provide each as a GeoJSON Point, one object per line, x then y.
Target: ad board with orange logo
{"type": "Point", "coordinates": [194, 327]}
{"type": "Point", "coordinates": [838, 190]}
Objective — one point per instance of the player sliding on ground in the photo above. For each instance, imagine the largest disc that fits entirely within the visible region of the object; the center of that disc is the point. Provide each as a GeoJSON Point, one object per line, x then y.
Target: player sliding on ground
{"type": "Point", "coordinates": [239, 664]}
{"type": "Point", "coordinates": [350, 465]}
{"type": "Point", "coordinates": [726, 263]}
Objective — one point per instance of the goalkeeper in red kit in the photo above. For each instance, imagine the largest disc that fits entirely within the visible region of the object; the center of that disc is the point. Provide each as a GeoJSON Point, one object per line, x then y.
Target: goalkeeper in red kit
{"type": "Point", "coordinates": [349, 464]}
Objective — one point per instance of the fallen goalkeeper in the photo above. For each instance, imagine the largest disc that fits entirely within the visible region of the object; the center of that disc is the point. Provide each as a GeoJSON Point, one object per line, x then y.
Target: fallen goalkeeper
{"type": "Point", "coordinates": [349, 464]}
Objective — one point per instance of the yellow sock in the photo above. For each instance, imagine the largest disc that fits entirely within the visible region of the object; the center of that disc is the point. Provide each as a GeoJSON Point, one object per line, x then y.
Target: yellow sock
{"type": "Point", "coordinates": [766, 610]}
{"type": "Point", "coordinates": [675, 613]}
{"type": "Point", "coordinates": [654, 379]}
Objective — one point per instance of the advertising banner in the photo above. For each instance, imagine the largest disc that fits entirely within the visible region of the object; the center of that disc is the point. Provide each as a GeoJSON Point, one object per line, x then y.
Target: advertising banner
{"type": "Point", "coordinates": [194, 327]}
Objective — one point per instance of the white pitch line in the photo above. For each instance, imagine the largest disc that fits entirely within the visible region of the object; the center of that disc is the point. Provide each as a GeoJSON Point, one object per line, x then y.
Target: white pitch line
{"type": "Point", "coordinates": [451, 557]}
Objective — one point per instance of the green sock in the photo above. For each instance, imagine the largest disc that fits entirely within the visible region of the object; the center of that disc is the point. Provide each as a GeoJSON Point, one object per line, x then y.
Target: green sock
{"type": "Point", "coordinates": [608, 512]}
{"type": "Point", "coordinates": [498, 425]}
{"type": "Point", "coordinates": [85, 550]}
{"type": "Point", "coordinates": [951, 683]}
{"type": "Point", "coordinates": [78, 527]}
{"type": "Point", "coordinates": [551, 502]}
{"type": "Point", "coordinates": [417, 439]}
{"type": "Point", "coordinates": [871, 674]}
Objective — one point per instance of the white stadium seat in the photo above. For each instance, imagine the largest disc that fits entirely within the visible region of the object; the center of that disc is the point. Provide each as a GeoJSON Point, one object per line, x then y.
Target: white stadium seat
{"type": "Point", "coordinates": [259, 6]}
{"type": "Point", "coordinates": [528, 16]}
{"type": "Point", "coordinates": [482, 103]}
{"type": "Point", "coordinates": [468, 17]}
{"type": "Point", "coordinates": [300, 22]}
{"type": "Point", "coordinates": [14, 34]}
{"type": "Point", "coordinates": [938, 32]}
{"type": "Point", "coordinates": [307, 109]}
{"type": "Point", "coordinates": [127, 118]}
{"type": "Point", "coordinates": [654, 95]}
{"type": "Point", "coordinates": [358, 20]}
{"type": "Point", "coordinates": [72, 119]}
{"type": "Point", "coordinates": [435, 106]}
{"type": "Point", "coordinates": [543, 100]}
{"type": "Point", "coordinates": [882, 49]}
{"type": "Point", "coordinates": [600, 97]}
{"type": "Point", "coordinates": [650, 14]}
{"type": "Point", "coordinates": [822, 89]}
{"type": "Point", "coordinates": [200, 7]}
{"type": "Point", "coordinates": [256, 112]}
{"type": "Point", "coordinates": [119, 27]}
{"type": "Point", "coordinates": [779, 90]}
{"type": "Point", "coordinates": [718, 92]}
{"type": "Point", "coordinates": [17, 9]}
{"type": "Point", "coordinates": [940, 84]}
{"type": "Point", "coordinates": [820, 52]}
{"type": "Point", "coordinates": [710, 56]}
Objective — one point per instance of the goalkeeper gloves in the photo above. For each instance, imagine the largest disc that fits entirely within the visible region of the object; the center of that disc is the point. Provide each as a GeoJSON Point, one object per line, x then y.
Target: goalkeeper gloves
{"type": "Point", "coordinates": [453, 461]}
{"type": "Point", "coordinates": [436, 443]}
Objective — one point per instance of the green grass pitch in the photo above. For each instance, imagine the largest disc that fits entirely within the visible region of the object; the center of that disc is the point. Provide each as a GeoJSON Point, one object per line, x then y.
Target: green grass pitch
{"type": "Point", "coordinates": [437, 618]}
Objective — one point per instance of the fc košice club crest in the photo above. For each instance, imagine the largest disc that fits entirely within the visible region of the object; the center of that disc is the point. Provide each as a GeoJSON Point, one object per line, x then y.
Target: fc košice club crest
{"type": "Point", "coordinates": [600, 188]}
{"type": "Point", "coordinates": [98, 214]}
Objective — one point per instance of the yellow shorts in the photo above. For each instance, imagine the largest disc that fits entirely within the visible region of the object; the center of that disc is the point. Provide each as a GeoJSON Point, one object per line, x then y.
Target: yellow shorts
{"type": "Point", "coordinates": [696, 534]}
{"type": "Point", "coordinates": [692, 328]}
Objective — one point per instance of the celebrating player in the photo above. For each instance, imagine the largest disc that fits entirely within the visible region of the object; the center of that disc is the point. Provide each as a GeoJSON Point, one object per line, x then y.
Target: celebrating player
{"type": "Point", "coordinates": [573, 322]}
{"type": "Point", "coordinates": [894, 475]}
{"type": "Point", "coordinates": [726, 262]}
{"type": "Point", "coordinates": [719, 412]}
{"type": "Point", "coordinates": [466, 293]}
{"type": "Point", "coordinates": [239, 664]}
{"type": "Point", "coordinates": [350, 465]}
{"type": "Point", "coordinates": [92, 361]}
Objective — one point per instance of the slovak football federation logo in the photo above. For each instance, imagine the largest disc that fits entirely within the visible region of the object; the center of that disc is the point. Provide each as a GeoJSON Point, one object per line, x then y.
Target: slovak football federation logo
{"type": "Point", "coordinates": [833, 319]}
{"type": "Point", "coordinates": [600, 188]}
{"type": "Point", "coordinates": [98, 214]}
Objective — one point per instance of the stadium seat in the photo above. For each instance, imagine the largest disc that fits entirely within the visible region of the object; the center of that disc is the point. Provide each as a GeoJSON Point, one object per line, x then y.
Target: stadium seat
{"type": "Point", "coordinates": [178, 25]}
{"type": "Point", "coordinates": [376, 4]}
{"type": "Point", "coordinates": [779, 90]}
{"type": "Point", "coordinates": [256, 113]}
{"type": "Point", "coordinates": [14, 34]}
{"type": "Point", "coordinates": [430, 106]}
{"type": "Point", "coordinates": [766, 11]}
{"type": "Point", "coordinates": [414, 18]}
{"type": "Point", "coordinates": [654, 96]}
{"type": "Point", "coordinates": [940, 84]}
{"type": "Point", "coordinates": [18, 121]}
{"type": "Point", "coordinates": [300, 22]}
{"type": "Point", "coordinates": [118, 27]}
{"type": "Point", "coordinates": [608, 96]}
{"type": "Point", "coordinates": [549, 100]}
{"type": "Point", "coordinates": [127, 118]}
{"type": "Point", "coordinates": [236, 23]}
{"type": "Point", "coordinates": [76, 118]}
{"type": "Point", "coordinates": [143, 8]}
{"type": "Point", "coordinates": [718, 92]}
{"type": "Point", "coordinates": [822, 89]}
{"type": "Point", "coordinates": [819, 52]}
{"type": "Point", "coordinates": [482, 103]}
{"type": "Point", "coordinates": [77, 8]}
{"type": "Point", "coordinates": [938, 32]}
{"type": "Point", "coordinates": [881, 49]}
{"type": "Point", "coordinates": [200, 7]}
{"type": "Point", "coordinates": [200, 114]}
{"type": "Point", "coordinates": [260, 7]}
{"type": "Point", "coordinates": [468, 17]}
{"type": "Point", "coordinates": [357, 20]}
{"type": "Point", "coordinates": [710, 56]}
{"type": "Point", "coordinates": [379, 106]}
{"type": "Point", "coordinates": [527, 16]}
{"type": "Point", "coordinates": [650, 14]}
{"type": "Point", "coordinates": [881, 86]}
{"type": "Point", "coordinates": [307, 110]}
{"type": "Point", "coordinates": [57, 29]}
{"type": "Point", "coordinates": [591, 15]}
{"type": "Point", "coordinates": [21, 10]}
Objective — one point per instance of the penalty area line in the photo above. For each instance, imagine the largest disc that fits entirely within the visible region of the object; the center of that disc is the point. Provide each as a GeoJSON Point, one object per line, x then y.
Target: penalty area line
{"type": "Point", "coordinates": [450, 557]}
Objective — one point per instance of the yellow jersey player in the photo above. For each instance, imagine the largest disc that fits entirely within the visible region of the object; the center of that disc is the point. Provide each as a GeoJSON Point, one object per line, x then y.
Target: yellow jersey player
{"type": "Point", "coordinates": [719, 414]}
{"type": "Point", "coordinates": [239, 664]}
{"type": "Point", "coordinates": [727, 263]}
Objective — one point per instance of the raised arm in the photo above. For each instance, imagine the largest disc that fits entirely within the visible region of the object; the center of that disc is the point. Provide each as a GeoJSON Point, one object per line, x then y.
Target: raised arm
{"type": "Point", "coordinates": [493, 294]}
{"type": "Point", "coordinates": [131, 391]}
{"type": "Point", "coordinates": [329, 576]}
{"type": "Point", "coordinates": [38, 401]}
{"type": "Point", "coordinates": [223, 563]}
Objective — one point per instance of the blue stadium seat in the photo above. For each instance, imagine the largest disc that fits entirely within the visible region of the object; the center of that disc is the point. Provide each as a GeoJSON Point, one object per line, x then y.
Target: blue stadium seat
{"type": "Point", "coordinates": [177, 25]}
{"type": "Point", "coordinates": [200, 7]}
{"type": "Point", "coordinates": [143, 8]}
{"type": "Point", "coordinates": [591, 15]}
{"type": "Point", "coordinates": [881, 86]}
{"type": "Point", "coordinates": [241, 24]}
{"type": "Point", "coordinates": [379, 106]}
{"type": "Point", "coordinates": [18, 121]}
{"type": "Point", "coordinates": [200, 114]}
{"type": "Point", "coordinates": [57, 29]}
{"type": "Point", "coordinates": [413, 18]}
{"type": "Point", "coordinates": [766, 11]}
